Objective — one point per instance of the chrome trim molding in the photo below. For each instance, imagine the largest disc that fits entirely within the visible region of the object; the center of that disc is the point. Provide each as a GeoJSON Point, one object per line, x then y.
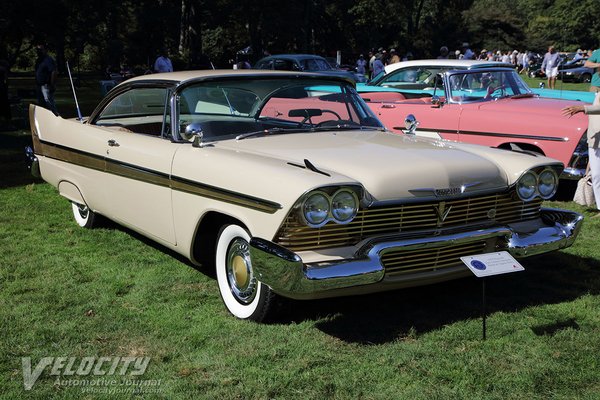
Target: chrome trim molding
{"type": "Point", "coordinates": [286, 273]}
{"type": "Point", "coordinates": [497, 134]}
{"type": "Point", "coordinates": [130, 171]}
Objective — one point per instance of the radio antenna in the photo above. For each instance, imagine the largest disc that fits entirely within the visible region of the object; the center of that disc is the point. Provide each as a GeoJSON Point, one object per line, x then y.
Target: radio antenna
{"type": "Point", "coordinates": [80, 119]}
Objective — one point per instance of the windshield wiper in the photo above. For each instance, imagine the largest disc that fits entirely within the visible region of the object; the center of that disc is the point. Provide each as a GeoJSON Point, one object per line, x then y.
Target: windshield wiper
{"type": "Point", "coordinates": [343, 126]}
{"type": "Point", "coordinates": [269, 131]}
{"type": "Point", "coordinates": [522, 96]}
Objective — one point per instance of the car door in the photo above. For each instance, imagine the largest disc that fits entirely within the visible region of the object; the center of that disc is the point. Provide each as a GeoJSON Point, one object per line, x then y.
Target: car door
{"type": "Point", "coordinates": [138, 158]}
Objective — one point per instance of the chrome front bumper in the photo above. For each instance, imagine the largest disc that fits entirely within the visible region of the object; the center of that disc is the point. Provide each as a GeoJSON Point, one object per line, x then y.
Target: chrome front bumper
{"type": "Point", "coordinates": [286, 273]}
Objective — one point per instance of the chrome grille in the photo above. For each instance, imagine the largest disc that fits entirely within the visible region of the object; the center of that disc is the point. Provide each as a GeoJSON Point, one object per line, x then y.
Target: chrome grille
{"type": "Point", "coordinates": [400, 261]}
{"type": "Point", "coordinates": [374, 221]}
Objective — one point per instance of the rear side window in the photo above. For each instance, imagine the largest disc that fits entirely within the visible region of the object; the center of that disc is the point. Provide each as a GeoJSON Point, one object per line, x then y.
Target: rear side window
{"type": "Point", "coordinates": [136, 102]}
{"type": "Point", "coordinates": [139, 110]}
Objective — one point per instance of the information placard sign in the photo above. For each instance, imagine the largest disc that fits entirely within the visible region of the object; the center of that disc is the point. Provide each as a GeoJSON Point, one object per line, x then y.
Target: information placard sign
{"type": "Point", "coordinates": [489, 264]}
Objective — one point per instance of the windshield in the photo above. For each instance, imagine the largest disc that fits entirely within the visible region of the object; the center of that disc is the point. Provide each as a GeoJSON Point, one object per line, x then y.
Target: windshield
{"type": "Point", "coordinates": [468, 87]}
{"type": "Point", "coordinates": [315, 64]}
{"type": "Point", "coordinates": [226, 109]}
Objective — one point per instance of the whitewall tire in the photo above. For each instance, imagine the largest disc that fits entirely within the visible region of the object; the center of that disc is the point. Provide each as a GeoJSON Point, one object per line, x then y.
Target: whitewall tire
{"type": "Point", "coordinates": [84, 217]}
{"type": "Point", "coordinates": [244, 296]}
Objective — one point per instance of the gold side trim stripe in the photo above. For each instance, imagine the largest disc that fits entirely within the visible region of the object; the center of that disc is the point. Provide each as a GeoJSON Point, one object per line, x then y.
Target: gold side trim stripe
{"type": "Point", "coordinates": [92, 161]}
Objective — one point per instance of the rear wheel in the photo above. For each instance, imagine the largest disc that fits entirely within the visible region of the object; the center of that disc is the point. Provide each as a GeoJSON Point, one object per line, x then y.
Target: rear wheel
{"type": "Point", "coordinates": [244, 296]}
{"type": "Point", "coordinates": [586, 78]}
{"type": "Point", "coordinates": [84, 217]}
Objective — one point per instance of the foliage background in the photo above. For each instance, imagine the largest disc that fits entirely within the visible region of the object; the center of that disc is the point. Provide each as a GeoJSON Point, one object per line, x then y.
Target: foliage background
{"type": "Point", "coordinates": [95, 34]}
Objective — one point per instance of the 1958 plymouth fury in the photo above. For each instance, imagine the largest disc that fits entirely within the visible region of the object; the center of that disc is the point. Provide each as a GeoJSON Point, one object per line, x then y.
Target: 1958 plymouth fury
{"type": "Point", "coordinates": [481, 103]}
{"type": "Point", "coordinates": [288, 185]}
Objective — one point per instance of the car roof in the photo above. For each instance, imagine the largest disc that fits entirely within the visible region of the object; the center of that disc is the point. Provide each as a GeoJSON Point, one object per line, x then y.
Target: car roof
{"type": "Point", "coordinates": [450, 63]}
{"type": "Point", "coordinates": [188, 76]}
{"type": "Point", "coordinates": [293, 56]}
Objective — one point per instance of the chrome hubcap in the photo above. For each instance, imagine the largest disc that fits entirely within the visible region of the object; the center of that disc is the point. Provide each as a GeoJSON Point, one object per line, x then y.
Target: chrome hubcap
{"type": "Point", "coordinates": [239, 272]}
{"type": "Point", "coordinates": [83, 210]}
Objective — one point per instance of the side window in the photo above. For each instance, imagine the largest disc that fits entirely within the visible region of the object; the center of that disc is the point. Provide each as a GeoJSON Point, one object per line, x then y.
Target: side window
{"type": "Point", "coordinates": [284, 65]}
{"type": "Point", "coordinates": [265, 65]}
{"type": "Point", "coordinates": [406, 75]}
{"type": "Point", "coordinates": [412, 78]}
{"type": "Point", "coordinates": [139, 110]}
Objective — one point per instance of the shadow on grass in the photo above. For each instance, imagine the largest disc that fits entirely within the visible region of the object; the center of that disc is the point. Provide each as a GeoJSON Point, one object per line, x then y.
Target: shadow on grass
{"type": "Point", "coordinates": [13, 168]}
{"type": "Point", "coordinates": [385, 317]}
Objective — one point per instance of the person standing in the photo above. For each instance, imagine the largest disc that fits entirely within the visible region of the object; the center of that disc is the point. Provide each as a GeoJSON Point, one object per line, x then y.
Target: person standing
{"type": "Point", "coordinates": [594, 62]}
{"type": "Point", "coordinates": [371, 61]}
{"type": "Point", "coordinates": [378, 67]}
{"type": "Point", "coordinates": [394, 57]}
{"type": "Point", "coordinates": [361, 65]}
{"type": "Point", "coordinates": [443, 53]}
{"type": "Point", "coordinates": [593, 139]}
{"type": "Point", "coordinates": [467, 52]}
{"type": "Point", "coordinates": [163, 62]}
{"type": "Point", "coordinates": [45, 78]}
{"type": "Point", "coordinates": [550, 66]}
{"type": "Point", "coordinates": [525, 68]}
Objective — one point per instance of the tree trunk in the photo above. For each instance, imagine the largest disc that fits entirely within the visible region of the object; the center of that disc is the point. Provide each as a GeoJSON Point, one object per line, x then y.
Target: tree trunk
{"type": "Point", "coordinates": [190, 39]}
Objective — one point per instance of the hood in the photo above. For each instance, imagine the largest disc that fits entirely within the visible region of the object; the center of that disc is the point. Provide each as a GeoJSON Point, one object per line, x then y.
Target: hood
{"type": "Point", "coordinates": [388, 165]}
{"type": "Point", "coordinates": [530, 105]}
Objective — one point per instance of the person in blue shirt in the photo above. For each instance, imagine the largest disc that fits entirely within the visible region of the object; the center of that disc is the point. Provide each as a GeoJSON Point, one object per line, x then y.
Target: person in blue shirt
{"type": "Point", "coordinates": [163, 62]}
{"type": "Point", "coordinates": [45, 78]}
{"type": "Point", "coordinates": [378, 67]}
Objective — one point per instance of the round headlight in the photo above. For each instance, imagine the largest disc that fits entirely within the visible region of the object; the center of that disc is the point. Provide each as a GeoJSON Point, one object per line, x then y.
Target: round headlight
{"type": "Point", "coordinates": [316, 209]}
{"type": "Point", "coordinates": [547, 183]}
{"type": "Point", "coordinates": [344, 206]}
{"type": "Point", "coordinates": [526, 186]}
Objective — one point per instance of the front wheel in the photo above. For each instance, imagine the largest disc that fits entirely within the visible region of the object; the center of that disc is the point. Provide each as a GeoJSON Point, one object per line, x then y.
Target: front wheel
{"type": "Point", "coordinates": [84, 217]}
{"type": "Point", "coordinates": [244, 296]}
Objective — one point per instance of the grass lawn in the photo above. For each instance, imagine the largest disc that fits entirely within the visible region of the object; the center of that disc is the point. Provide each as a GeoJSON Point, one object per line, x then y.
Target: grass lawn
{"type": "Point", "coordinates": [535, 82]}
{"type": "Point", "coordinates": [70, 292]}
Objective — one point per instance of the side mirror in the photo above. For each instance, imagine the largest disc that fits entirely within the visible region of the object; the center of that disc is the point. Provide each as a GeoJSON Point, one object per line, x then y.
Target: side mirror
{"type": "Point", "coordinates": [411, 123]}
{"type": "Point", "coordinates": [436, 102]}
{"type": "Point", "coordinates": [193, 131]}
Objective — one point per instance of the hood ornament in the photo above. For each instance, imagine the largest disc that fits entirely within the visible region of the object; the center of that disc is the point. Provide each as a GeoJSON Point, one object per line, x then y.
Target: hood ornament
{"type": "Point", "coordinates": [445, 192]}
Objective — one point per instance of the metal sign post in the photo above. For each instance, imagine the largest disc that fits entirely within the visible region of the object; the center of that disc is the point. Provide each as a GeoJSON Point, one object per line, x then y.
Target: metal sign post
{"type": "Point", "coordinates": [483, 311]}
{"type": "Point", "coordinates": [484, 265]}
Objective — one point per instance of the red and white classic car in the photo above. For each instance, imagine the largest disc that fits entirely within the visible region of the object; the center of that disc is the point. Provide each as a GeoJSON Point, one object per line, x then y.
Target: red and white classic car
{"type": "Point", "coordinates": [488, 105]}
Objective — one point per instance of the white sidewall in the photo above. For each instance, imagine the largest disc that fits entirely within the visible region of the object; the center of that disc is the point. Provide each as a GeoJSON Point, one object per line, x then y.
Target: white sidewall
{"type": "Point", "coordinates": [239, 310]}
{"type": "Point", "coordinates": [78, 218]}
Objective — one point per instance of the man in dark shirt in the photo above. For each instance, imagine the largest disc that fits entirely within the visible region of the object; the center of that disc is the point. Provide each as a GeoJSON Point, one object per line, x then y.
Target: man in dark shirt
{"type": "Point", "coordinates": [45, 79]}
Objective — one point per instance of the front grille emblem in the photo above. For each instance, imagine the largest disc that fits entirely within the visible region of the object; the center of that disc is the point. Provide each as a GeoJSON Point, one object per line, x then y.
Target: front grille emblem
{"type": "Point", "coordinates": [442, 212]}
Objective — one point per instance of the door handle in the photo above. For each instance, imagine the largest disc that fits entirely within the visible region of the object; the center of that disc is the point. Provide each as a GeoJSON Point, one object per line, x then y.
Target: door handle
{"type": "Point", "coordinates": [388, 106]}
{"type": "Point", "coordinates": [113, 143]}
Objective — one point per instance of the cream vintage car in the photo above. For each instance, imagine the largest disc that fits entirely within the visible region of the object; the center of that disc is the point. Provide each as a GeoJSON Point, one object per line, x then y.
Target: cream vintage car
{"type": "Point", "coordinates": [288, 185]}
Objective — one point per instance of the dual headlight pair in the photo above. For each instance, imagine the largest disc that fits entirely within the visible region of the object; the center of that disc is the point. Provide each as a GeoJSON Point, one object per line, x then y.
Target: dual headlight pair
{"type": "Point", "coordinates": [319, 207]}
{"type": "Point", "coordinates": [543, 184]}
